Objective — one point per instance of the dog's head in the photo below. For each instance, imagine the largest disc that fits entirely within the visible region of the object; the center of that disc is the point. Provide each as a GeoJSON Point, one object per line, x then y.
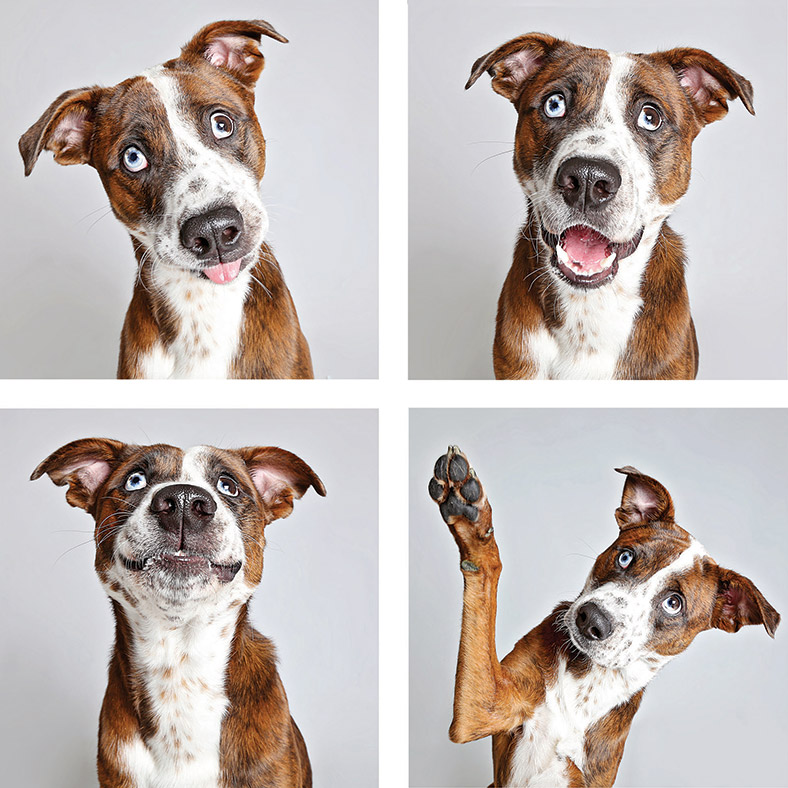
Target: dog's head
{"type": "Point", "coordinates": [655, 588]}
{"type": "Point", "coordinates": [174, 527]}
{"type": "Point", "coordinates": [178, 149]}
{"type": "Point", "coordinates": [603, 142]}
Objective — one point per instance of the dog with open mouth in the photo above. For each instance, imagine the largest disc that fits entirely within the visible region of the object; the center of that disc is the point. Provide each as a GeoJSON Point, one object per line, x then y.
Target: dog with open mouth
{"type": "Point", "coordinates": [602, 153]}
{"type": "Point", "coordinates": [193, 696]}
{"type": "Point", "coordinates": [181, 155]}
{"type": "Point", "coordinates": [560, 705]}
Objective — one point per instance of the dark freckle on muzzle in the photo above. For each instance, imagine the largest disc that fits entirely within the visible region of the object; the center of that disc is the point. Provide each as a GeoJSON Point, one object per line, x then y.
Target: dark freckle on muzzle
{"type": "Point", "coordinates": [198, 184]}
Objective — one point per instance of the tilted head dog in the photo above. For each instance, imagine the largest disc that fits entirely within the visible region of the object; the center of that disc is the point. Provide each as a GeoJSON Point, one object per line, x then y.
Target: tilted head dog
{"type": "Point", "coordinates": [180, 153]}
{"type": "Point", "coordinates": [603, 153]}
{"type": "Point", "coordinates": [193, 697]}
{"type": "Point", "coordinates": [559, 706]}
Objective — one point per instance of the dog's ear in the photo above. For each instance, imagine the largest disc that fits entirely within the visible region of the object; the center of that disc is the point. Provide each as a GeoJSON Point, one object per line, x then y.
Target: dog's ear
{"type": "Point", "coordinates": [740, 603]}
{"type": "Point", "coordinates": [83, 465]}
{"type": "Point", "coordinates": [644, 500]}
{"type": "Point", "coordinates": [708, 82]}
{"type": "Point", "coordinates": [233, 47]}
{"type": "Point", "coordinates": [279, 476]}
{"type": "Point", "coordinates": [513, 63]}
{"type": "Point", "coordinates": [65, 128]}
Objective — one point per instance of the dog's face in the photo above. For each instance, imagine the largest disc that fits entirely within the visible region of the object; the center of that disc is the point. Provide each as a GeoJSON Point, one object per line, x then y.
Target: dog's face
{"type": "Point", "coordinates": [655, 588]}
{"type": "Point", "coordinates": [603, 142]}
{"type": "Point", "coordinates": [173, 527]}
{"type": "Point", "coordinates": [178, 149]}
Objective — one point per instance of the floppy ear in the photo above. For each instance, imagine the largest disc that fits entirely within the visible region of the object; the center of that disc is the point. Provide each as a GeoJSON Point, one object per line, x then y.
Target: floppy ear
{"type": "Point", "coordinates": [740, 603]}
{"type": "Point", "coordinates": [513, 63]}
{"type": "Point", "coordinates": [708, 82]}
{"type": "Point", "coordinates": [65, 128]}
{"type": "Point", "coordinates": [233, 47]}
{"type": "Point", "coordinates": [644, 500]}
{"type": "Point", "coordinates": [279, 476]}
{"type": "Point", "coordinates": [84, 465]}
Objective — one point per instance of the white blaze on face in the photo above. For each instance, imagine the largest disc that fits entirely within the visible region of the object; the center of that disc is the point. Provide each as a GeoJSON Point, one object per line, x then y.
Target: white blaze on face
{"type": "Point", "coordinates": [224, 181]}
{"type": "Point", "coordinates": [630, 608]}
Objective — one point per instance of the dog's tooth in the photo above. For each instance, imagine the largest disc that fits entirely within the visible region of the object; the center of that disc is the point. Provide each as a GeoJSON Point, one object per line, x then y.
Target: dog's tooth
{"type": "Point", "coordinates": [563, 257]}
{"type": "Point", "coordinates": [608, 261]}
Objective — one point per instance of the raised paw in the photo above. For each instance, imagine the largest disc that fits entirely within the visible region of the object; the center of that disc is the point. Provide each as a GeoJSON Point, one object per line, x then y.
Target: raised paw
{"type": "Point", "coordinates": [456, 489]}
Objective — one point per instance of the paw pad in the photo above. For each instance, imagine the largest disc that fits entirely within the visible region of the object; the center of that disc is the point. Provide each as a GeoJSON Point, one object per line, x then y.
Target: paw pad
{"type": "Point", "coordinates": [455, 487]}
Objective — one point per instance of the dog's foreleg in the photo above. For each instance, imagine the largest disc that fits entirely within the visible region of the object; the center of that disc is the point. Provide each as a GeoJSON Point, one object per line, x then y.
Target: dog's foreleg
{"type": "Point", "coordinates": [488, 698]}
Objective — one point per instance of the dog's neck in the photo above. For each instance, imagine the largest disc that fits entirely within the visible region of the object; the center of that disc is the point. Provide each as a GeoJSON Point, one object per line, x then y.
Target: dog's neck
{"type": "Point", "coordinates": [584, 333]}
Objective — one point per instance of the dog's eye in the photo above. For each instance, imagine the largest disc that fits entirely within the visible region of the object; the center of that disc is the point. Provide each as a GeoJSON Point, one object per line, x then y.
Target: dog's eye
{"type": "Point", "coordinates": [221, 125]}
{"type": "Point", "coordinates": [227, 486]}
{"type": "Point", "coordinates": [134, 159]}
{"type": "Point", "coordinates": [673, 604]}
{"type": "Point", "coordinates": [625, 558]}
{"type": "Point", "coordinates": [649, 118]}
{"type": "Point", "coordinates": [555, 106]}
{"type": "Point", "coordinates": [136, 481]}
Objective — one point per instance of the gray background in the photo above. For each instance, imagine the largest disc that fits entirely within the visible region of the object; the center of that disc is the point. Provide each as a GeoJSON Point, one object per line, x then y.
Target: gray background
{"type": "Point", "coordinates": [68, 269]}
{"type": "Point", "coordinates": [317, 600]}
{"type": "Point", "coordinates": [715, 716]}
{"type": "Point", "coordinates": [466, 209]}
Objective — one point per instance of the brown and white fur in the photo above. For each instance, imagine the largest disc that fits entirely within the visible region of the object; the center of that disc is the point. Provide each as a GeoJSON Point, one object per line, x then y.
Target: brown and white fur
{"type": "Point", "coordinates": [560, 704]}
{"type": "Point", "coordinates": [180, 154]}
{"type": "Point", "coordinates": [602, 152]}
{"type": "Point", "coordinates": [193, 697]}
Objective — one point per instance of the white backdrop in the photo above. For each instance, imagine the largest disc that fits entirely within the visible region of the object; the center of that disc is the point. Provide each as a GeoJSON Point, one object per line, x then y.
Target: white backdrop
{"type": "Point", "coordinates": [68, 269]}
{"type": "Point", "coordinates": [466, 207]}
{"type": "Point", "coordinates": [715, 716]}
{"type": "Point", "coordinates": [317, 599]}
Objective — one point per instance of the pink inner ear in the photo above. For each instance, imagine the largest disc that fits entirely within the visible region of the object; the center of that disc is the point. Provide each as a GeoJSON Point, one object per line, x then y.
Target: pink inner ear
{"type": "Point", "coordinates": [71, 129]}
{"type": "Point", "coordinates": [228, 52]}
{"type": "Point", "coordinates": [91, 473]}
{"type": "Point", "coordinates": [701, 85]}
{"type": "Point", "coordinates": [521, 65]}
{"type": "Point", "coordinates": [269, 483]}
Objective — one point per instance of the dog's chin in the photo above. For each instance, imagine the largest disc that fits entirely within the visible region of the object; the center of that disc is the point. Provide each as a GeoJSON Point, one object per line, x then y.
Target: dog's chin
{"type": "Point", "coordinates": [584, 258]}
{"type": "Point", "coordinates": [181, 570]}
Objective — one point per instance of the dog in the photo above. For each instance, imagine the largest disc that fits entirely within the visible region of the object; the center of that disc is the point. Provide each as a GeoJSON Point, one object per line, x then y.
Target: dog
{"type": "Point", "coordinates": [193, 697]}
{"type": "Point", "coordinates": [180, 154]}
{"type": "Point", "coordinates": [559, 706]}
{"type": "Point", "coordinates": [602, 152]}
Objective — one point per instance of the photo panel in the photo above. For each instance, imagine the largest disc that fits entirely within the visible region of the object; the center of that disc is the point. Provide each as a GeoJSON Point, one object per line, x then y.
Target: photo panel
{"type": "Point", "coordinates": [549, 476]}
{"type": "Point", "coordinates": [317, 601]}
{"type": "Point", "coordinates": [468, 210]}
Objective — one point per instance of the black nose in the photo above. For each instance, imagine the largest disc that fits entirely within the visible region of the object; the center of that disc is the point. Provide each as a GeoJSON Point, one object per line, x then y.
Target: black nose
{"type": "Point", "coordinates": [587, 184]}
{"type": "Point", "coordinates": [213, 235]}
{"type": "Point", "coordinates": [183, 507]}
{"type": "Point", "coordinates": [592, 622]}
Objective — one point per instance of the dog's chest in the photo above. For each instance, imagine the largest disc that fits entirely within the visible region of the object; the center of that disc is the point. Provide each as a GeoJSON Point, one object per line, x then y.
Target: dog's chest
{"type": "Point", "coordinates": [590, 341]}
{"type": "Point", "coordinates": [183, 674]}
{"type": "Point", "coordinates": [557, 729]}
{"type": "Point", "coordinates": [207, 323]}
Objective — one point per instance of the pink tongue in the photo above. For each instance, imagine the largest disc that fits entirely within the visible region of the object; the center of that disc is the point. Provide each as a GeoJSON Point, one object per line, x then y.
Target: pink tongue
{"type": "Point", "coordinates": [584, 245]}
{"type": "Point", "coordinates": [222, 273]}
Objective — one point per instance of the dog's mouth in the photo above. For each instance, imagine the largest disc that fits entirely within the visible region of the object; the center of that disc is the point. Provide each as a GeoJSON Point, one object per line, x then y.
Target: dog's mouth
{"type": "Point", "coordinates": [224, 273]}
{"type": "Point", "coordinates": [183, 565]}
{"type": "Point", "coordinates": [584, 257]}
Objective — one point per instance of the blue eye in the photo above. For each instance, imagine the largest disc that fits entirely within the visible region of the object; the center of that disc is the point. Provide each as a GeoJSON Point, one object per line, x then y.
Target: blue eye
{"type": "Point", "coordinates": [136, 481]}
{"type": "Point", "coordinates": [625, 558]}
{"type": "Point", "coordinates": [221, 125]}
{"type": "Point", "coordinates": [226, 486]}
{"type": "Point", "coordinates": [134, 159]}
{"type": "Point", "coordinates": [555, 106]}
{"type": "Point", "coordinates": [649, 118]}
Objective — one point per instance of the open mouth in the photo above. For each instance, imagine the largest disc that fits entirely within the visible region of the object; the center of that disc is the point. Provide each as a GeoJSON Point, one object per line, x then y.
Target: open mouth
{"type": "Point", "coordinates": [182, 565]}
{"type": "Point", "coordinates": [585, 258]}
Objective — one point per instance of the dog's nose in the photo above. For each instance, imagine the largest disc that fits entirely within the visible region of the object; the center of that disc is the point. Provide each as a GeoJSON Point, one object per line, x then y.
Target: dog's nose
{"type": "Point", "coordinates": [182, 507]}
{"type": "Point", "coordinates": [587, 184]}
{"type": "Point", "coordinates": [214, 234]}
{"type": "Point", "coordinates": [592, 622]}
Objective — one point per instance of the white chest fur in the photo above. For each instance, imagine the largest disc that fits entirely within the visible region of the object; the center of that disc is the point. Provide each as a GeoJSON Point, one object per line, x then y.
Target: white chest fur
{"type": "Point", "coordinates": [183, 670]}
{"type": "Point", "coordinates": [208, 317]}
{"type": "Point", "coordinates": [557, 729]}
